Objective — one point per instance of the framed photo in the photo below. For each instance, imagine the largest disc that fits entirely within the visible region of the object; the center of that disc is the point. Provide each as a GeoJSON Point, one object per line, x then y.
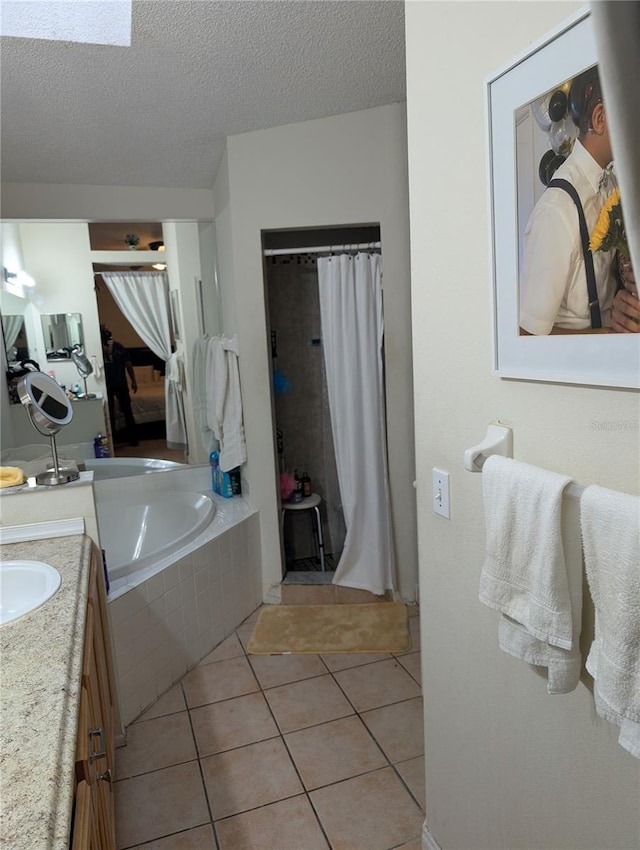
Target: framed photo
{"type": "Point", "coordinates": [518, 147]}
{"type": "Point", "coordinates": [174, 304]}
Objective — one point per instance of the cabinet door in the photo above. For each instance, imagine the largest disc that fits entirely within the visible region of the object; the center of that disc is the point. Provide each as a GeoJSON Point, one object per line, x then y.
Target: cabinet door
{"type": "Point", "coordinates": [86, 833]}
{"type": "Point", "coordinates": [95, 753]}
{"type": "Point", "coordinates": [103, 693]}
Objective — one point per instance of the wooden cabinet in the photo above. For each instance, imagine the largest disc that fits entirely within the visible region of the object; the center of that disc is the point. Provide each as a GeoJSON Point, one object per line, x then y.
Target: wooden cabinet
{"type": "Point", "coordinates": [94, 813]}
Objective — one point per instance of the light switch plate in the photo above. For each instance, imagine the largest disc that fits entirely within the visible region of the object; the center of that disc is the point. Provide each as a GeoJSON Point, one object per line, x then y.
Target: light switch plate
{"type": "Point", "coordinates": [441, 493]}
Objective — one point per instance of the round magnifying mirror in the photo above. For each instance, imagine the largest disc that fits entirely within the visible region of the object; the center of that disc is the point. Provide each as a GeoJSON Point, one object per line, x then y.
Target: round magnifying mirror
{"type": "Point", "coordinates": [46, 402]}
{"type": "Point", "coordinates": [49, 410]}
{"type": "Point", "coordinates": [84, 367]}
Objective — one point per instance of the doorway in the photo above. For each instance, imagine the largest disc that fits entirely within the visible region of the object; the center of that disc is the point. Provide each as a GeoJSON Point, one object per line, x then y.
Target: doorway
{"type": "Point", "coordinates": [300, 399]}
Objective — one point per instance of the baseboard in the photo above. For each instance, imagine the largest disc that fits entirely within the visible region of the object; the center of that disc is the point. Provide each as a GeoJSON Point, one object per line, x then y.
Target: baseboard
{"type": "Point", "coordinates": [428, 841]}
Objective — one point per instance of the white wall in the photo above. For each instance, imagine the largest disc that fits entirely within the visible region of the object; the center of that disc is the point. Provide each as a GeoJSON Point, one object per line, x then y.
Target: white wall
{"type": "Point", "coordinates": [348, 169]}
{"type": "Point", "coordinates": [224, 241]}
{"type": "Point", "coordinates": [508, 766]}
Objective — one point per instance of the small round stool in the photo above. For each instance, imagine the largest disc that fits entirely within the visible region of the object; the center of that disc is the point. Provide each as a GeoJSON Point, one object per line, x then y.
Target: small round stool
{"type": "Point", "coordinates": [308, 503]}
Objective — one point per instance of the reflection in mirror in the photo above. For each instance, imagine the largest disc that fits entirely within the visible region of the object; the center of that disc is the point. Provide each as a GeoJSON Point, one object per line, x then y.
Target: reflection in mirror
{"type": "Point", "coordinates": [61, 332]}
{"type": "Point", "coordinates": [16, 345]}
{"type": "Point", "coordinates": [49, 410]}
{"type": "Point", "coordinates": [191, 266]}
{"type": "Point", "coordinates": [567, 282]}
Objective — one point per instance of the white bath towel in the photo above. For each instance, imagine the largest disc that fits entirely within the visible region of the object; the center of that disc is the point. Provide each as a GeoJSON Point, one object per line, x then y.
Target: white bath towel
{"type": "Point", "coordinates": [175, 423]}
{"type": "Point", "coordinates": [233, 448]}
{"type": "Point", "coordinates": [611, 539]}
{"type": "Point", "coordinates": [224, 403]}
{"type": "Point", "coordinates": [216, 385]}
{"type": "Point", "coordinates": [525, 575]}
{"type": "Point", "coordinates": [199, 364]}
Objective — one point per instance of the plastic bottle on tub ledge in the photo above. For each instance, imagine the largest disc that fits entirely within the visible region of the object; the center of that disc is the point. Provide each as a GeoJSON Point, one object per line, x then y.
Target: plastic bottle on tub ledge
{"type": "Point", "coordinates": [226, 484]}
{"type": "Point", "coordinates": [101, 446]}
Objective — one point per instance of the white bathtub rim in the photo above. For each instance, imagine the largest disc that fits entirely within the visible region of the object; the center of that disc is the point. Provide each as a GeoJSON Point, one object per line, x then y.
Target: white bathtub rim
{"type": "Point", "coordinates": [128, 467]}
{"type": "Point", "coordinates": [228, 514]}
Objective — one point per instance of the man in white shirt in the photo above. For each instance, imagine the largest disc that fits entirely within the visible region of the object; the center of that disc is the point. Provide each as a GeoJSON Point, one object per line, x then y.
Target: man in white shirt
{"type": "Point", "coordinates": [554, 296]}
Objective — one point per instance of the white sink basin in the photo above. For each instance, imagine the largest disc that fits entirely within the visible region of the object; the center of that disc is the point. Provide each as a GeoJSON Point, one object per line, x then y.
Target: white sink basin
{"type": "Point", "coordinates": [25, 586]}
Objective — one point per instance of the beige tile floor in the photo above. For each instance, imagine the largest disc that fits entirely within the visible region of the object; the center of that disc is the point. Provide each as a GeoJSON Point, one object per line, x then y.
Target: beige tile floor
{"type": "Point", "coordinates": [298, 752]}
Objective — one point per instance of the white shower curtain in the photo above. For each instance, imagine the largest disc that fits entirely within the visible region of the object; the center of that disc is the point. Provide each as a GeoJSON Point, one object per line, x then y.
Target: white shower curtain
{"type": "Point", "coordinates": [142, 298]}
{"type": "Point", "coordinates": [350, 291]}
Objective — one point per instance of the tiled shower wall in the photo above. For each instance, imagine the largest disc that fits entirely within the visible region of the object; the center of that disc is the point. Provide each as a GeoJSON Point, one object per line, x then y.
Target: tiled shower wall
{"type": "Point", "coordinates": [302, 414]}
{"type": "Point", "coordinates": [166, 625]}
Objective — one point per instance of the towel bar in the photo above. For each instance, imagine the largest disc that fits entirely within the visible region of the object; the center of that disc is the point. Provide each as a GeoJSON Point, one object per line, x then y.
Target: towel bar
{"type": "Point", "coordinates": [499, 441]}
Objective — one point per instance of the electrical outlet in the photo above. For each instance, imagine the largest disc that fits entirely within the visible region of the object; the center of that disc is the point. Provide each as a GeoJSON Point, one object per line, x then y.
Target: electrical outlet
{"type": "Point", "coordinates": [441, 493]}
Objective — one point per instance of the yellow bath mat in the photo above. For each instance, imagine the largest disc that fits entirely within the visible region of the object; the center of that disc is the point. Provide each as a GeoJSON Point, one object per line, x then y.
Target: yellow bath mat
{"type": "Point", "coordinates": [370, 627]}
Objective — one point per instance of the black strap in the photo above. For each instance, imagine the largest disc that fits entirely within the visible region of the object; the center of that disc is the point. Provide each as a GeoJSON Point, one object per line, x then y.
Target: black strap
{"type": "Point", "coordinates": [592, 292]}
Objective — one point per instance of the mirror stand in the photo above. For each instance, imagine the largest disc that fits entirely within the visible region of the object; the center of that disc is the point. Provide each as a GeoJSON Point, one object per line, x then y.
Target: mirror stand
{"type": "Point", "coordinates": [57, 475]}
{"type": "Point", "coordinates": [49, 409]}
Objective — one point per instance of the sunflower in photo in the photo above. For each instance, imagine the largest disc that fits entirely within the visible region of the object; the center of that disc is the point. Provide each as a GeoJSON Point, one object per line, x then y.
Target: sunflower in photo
{"type": "Point", "coordinates": [609, 232]}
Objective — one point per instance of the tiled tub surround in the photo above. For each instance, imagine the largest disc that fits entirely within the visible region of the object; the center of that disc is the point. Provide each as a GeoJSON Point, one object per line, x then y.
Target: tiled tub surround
{"type": "Point", "coordinates": [169, 616]}
{"type": "Point", "coordinates": [40, 670]}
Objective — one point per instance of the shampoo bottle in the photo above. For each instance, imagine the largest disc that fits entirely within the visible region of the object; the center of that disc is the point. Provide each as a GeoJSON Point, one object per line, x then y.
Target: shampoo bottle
{"type": "Point", "coordinates": [215, 472]}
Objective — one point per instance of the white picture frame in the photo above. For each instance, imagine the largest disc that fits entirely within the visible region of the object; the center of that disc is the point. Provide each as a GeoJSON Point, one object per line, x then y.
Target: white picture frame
{"type": "Point", "coordinates": [608, 360]}
{"type": "Point", "coordinates": [174, 305]}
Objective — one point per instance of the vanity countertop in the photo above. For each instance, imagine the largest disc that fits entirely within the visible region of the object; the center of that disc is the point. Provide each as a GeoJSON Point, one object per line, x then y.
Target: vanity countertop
{"type": "Point", "coordinates": [40, 673]}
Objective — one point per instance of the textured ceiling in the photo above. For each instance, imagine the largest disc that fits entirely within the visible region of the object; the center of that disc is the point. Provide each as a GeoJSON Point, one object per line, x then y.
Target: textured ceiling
{"type": "Point", "coordinates": [157, 113]}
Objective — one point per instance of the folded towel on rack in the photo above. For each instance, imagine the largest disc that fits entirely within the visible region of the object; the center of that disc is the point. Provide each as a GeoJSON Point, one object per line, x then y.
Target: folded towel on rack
{"type": "Point", "coordinates": [525, 575]}
{"type": "Point", "coordinates": [610, 524]}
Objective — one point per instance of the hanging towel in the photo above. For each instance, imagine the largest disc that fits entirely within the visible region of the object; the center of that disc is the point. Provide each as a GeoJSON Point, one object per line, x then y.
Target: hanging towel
{"type": "Point", "coordinates": [233, 449]}
{"type": "Point", "coordinates": [525, 575]}
{"type": "Point", "coordinates": [175, 424]}
{"type": "Point", "coordinates": [97, 368]}
{"type": "Point", "coordinates": [216, 385]}
{"type": "Point", "coordinates": [224, 401]}
{"type": "Point", "coordinates": [199, 362]}
{"type": "Point", "coordinates": [610, 524]}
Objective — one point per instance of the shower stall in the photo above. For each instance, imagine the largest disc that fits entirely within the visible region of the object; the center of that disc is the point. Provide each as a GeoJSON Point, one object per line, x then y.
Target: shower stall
{"type": "Point", "coordinates": [305, 448]}
{"type": "Point", "coordinates": [301, 406]}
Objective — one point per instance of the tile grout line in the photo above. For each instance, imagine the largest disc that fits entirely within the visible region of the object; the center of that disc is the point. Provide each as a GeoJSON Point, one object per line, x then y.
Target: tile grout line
{"type": "Point", "coordinates": [281, 734]}
{"type": "Point", "coordinates": [287, 750]}
{"type": "Point", "coordinates": [204, 784]}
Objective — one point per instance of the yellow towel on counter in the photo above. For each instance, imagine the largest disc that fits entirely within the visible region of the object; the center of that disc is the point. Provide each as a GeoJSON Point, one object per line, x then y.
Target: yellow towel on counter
{"type": "Point", "coordinates": [11, 476]}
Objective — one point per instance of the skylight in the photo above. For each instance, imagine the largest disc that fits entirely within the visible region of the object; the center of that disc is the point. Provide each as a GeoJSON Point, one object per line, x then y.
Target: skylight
{"type": "Point", "coordinates": [87, 21]}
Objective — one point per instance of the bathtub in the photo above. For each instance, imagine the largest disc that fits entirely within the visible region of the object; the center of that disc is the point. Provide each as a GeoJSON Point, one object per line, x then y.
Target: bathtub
{"type": "Point", "coordinates": [119, 467]}
{"type": "Point", "coordinates": [135, 533]}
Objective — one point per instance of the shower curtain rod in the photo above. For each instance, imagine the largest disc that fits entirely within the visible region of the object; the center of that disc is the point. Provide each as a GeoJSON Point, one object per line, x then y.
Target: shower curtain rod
{"type": "Point", "coordinates": [319, 249]}
{"type": "Point", "coordinates": [130, 271]}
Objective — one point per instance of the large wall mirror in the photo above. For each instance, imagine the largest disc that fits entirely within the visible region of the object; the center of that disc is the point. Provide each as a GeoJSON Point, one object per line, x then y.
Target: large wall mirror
{"type": "Point", "coordinates": [16, 344]}
{"type": "Point", "coordinates": [71, 301]}
{"type": "Point", "coordinates": [61, 331]}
